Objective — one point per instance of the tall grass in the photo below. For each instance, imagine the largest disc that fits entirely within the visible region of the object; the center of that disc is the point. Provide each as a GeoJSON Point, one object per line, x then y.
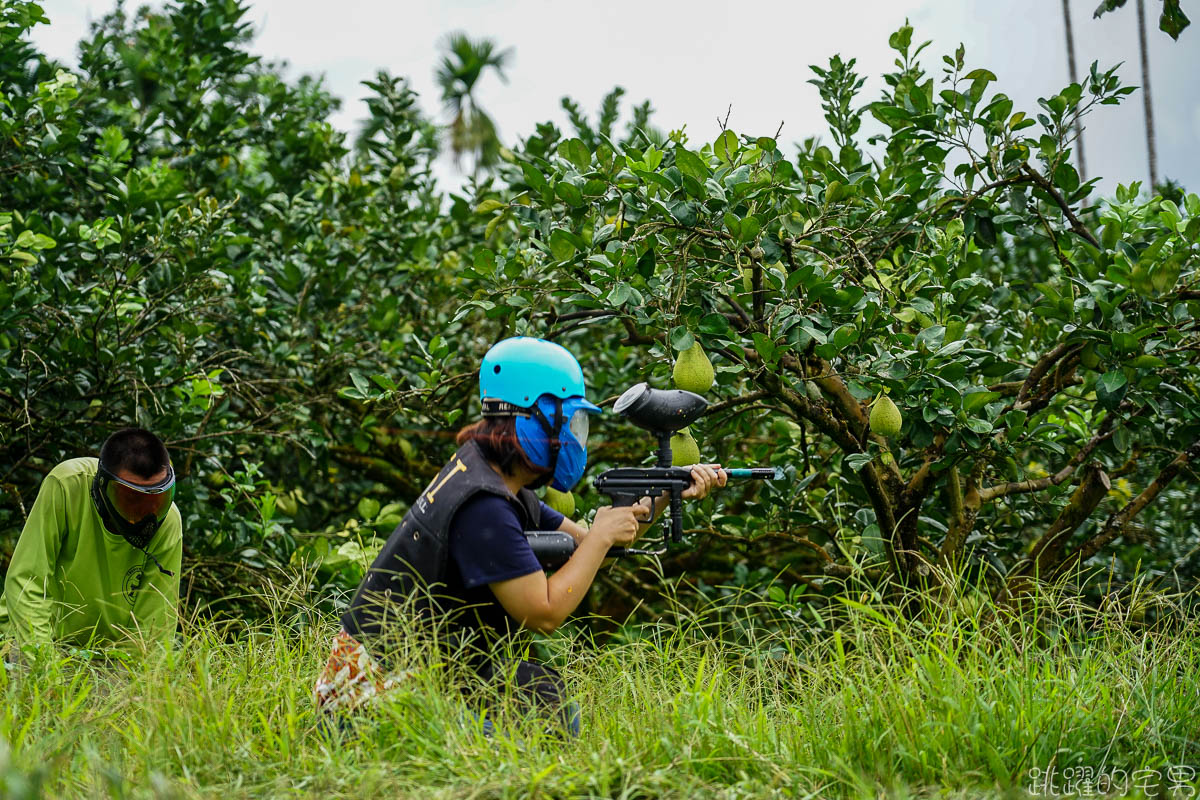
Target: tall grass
{"type": "Point", "coordinates": [961, 703]}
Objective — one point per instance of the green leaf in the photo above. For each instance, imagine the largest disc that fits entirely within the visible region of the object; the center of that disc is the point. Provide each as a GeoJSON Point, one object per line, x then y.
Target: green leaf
{"type": "Point", "coordinates": [484, 260]}
{"type": "Point", "coordinates": [1066, 177]}
{"type": "Point", "coordinates": [1112, 381]}
{"type": "Point", "coordinates": [764, 346]}
{"type": "Point", "coordinates": [368, 508]}
{"type": "Point", "coordinates": [714, 325]}
{"type": "Point", "coordinates": [569, 193]}
{"type": "Point", "coordinates": [733, 224]}
{"type": "Point", "coordinates": [683, 212]}
{"type": "Point", "coordinates": [1147, 362]}
{"type": "Point", "coordinates": [726, 146]}
{"type": "Point", "coordinates": [929, 337]}
{"type": "Point", "coordinates": [655, 178]}
{"type": "Point", "coordinates": [973, 401]}
{"type": "Point", "coordinates": [817, 335]}
{"type": "Point", "coordinates": [901, 39]}
{"type": "Point", "coordinates": [620, 294]}
{"type": "Point", "coordinates": [1107, 6]}
{"type": "Point", "coordinates": [595, 187]}
{"type": "Point", "coordinates": [845, 336]}
{"type": "Point", "coordinates": [980, 74]}
{"type": "Point", "coordinates": [1126, 342]}
{"type": "Point", "coordinates": [575, 151]}
{"type": "Point", "coordinates": [857, 461]}
{"type": "Point", "coordinates": [681, 338]}
{"type": "Point", "coordinates": [750, 229]}
{"type": "Point", "coordinates": [534, 178]}
{"type": "Point", "coordinates": [985, 232]}
{"type": "Point", "coordinates": [893, 116]}
{"type": "Point", "coordinates": [645, 263]}
{"type": "Point", "coordinates": [980, 426]}
{"type": "Point", "coordinates": [488, 206]}
{"type": "Point", "coordinates": [1014, 420]}
{"type": "Point", "coordinates": [561, 246]}
{"type": "Point", "coordinates": [1173, 20]}
{"type": "Point", "coordinates": [1111, 389]}
{"type": "Point", "coordinates": [652, 158]}
{"type": "Point", "coordinates": [384, 382]}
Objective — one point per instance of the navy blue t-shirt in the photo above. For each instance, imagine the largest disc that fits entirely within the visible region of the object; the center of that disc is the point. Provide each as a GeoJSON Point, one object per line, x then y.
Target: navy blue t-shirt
{"type": "Point", "coordinates": [488, 544]}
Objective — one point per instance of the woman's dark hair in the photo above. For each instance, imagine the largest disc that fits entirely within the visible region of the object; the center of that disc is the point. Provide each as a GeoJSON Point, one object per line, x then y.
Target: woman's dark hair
{"type": "Point", "coordinates": [137, 450]}
{"type": "Point", "coordinates": [497, 440]}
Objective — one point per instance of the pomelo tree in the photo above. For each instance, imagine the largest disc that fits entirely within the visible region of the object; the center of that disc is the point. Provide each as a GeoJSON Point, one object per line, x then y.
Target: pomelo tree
{"type": "Point", "coordinates": [1040, 342]}
{"type": "Point", "coordinates": [187, 244]}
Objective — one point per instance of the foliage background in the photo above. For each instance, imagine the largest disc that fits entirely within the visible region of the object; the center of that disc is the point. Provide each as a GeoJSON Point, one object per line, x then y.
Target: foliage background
{"type": "Point", "coordinates": [187, 243]}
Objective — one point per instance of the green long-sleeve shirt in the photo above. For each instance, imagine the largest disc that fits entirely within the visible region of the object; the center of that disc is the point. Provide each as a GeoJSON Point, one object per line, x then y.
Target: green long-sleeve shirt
{"type": "Point", "coordinates": [74, 582]}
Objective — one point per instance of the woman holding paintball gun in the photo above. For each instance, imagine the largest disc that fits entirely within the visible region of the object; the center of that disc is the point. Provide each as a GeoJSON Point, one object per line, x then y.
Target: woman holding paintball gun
{"type": "Point", "coordinates": [460, 561]}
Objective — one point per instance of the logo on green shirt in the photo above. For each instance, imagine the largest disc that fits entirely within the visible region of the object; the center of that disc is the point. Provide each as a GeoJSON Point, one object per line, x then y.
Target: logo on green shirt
{"type": "Point", "coordinates": [132, 582]}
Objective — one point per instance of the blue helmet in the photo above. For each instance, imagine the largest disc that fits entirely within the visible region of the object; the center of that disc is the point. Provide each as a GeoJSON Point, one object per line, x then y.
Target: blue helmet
{"type": "Point", "coordinates": [540, 383]}
{"type": "Point", "coordinates": [522, 369]}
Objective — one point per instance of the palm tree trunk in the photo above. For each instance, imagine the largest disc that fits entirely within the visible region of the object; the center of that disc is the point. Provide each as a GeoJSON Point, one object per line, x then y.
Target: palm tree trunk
{"type": "Point", "coordinates": [1149, 107]}
{"type": "Point", "coordinates": [1066, 5]}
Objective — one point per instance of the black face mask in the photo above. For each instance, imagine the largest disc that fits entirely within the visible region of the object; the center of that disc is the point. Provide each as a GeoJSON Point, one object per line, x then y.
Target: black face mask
{"type": "Point", "coordinates": [137, 534]}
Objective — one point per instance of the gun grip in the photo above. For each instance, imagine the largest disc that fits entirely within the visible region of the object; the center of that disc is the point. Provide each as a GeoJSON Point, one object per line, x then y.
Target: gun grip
{"type": "Point", "coordinates": [620, 500]}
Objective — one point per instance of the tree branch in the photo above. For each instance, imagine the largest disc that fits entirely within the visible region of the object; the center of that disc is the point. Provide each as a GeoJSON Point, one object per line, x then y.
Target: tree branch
{"type": "Point", "coordinates": [737, 401]}
{"type": "Point", "coordinates": [962, 524]}
{"type": "Point", "coordinates": [634, 335]}
{"type": "Point", "coordinates": [956, 535]}
{"type": "Point", "coordinates": [1038, 484]}
{"type": "Point", "coordinates": [1116, 523]}
{"type": "Point", "coordinates": [1039, 371]}
{"type": "Point", "coordinates": [1045, 185]}
{"type": "Point", "coordinates": [914, 492]}
{"type": "Point", "coordinates": [1048, 550]}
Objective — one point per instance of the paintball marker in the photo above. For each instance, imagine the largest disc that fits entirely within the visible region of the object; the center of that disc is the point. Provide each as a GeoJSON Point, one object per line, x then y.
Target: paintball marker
{"type": "Point", "coordinates": [662, 412]}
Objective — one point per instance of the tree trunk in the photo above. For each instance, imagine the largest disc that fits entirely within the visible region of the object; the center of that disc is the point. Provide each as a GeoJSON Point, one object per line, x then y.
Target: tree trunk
{"type": "Point", "coordinates": [1066, 6]}
{"type": "Point", "coordinates": [1146, 102]}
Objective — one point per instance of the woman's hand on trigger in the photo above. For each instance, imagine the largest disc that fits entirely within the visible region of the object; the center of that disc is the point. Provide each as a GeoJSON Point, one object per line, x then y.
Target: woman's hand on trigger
{"type": "Point", "coordinates": [617, 525]}
{"type": "Point", "coordinates": [645, 510]}
{"type": "Point", "coordinates": [705, 477]}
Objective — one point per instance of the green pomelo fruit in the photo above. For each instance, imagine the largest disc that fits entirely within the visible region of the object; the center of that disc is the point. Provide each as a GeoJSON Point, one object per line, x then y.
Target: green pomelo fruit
{"type": "Point", "coordinates": [693, 371]}
{"type": "Point", "coordinates": [684, 449]}
{"type": "Point", "coordinates": [885, 418]}
{"type": "Point", "coordinates": [562, 502]}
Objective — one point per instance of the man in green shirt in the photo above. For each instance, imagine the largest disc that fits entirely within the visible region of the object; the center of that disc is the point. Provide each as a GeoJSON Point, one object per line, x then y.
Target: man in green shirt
{"type": "Point", "coordinates": [98, 559]}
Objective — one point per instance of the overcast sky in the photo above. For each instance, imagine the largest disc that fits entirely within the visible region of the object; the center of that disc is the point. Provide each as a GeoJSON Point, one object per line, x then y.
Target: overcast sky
{"type": "Point", "coordinates": [694, 59]}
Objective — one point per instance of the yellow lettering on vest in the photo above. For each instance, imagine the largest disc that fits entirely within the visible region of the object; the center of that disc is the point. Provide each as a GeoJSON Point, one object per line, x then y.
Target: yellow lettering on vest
{"type": "Point", "coordinates": [458, 467]}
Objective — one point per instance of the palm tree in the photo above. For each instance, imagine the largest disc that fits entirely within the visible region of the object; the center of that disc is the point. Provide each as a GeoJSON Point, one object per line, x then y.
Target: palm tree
{"type": "Point", "coordinates": [1146, 104]}
{"type": "Point", "coordinates": [1066, 6]}
{"type": "Point", "coordinates": [472, 131]}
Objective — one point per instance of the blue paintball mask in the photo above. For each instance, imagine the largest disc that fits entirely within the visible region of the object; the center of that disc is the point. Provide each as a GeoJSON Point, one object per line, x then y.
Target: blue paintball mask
{"type": "Point", "coordinates": [554, 437]}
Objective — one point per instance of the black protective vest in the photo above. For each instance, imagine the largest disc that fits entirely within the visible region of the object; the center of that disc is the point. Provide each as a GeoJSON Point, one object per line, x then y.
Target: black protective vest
{"type": "Point", "coordinates": [409, 575]}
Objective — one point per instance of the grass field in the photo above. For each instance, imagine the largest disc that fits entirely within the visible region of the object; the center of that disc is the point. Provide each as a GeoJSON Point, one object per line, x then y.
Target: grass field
{"type": "Point", "coordinates": [949, 707]}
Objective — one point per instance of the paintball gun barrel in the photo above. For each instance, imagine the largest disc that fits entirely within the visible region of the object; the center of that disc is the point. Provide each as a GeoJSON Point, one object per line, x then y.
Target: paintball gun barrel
{"type": "Point", "coordinates": [661, 412]}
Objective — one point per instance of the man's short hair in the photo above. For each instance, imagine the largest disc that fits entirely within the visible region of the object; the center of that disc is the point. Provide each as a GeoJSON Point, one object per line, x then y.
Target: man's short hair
{"type": "Point", "coordinates": [137, 450]}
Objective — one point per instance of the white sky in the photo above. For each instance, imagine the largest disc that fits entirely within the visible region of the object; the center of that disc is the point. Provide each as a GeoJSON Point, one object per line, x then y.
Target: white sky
{"type": "Point", "coordinates": [693, 59]}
